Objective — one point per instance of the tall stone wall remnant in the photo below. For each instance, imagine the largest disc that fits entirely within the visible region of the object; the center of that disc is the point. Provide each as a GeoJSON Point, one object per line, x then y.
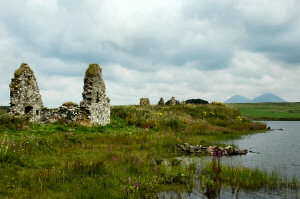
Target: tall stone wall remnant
{"type": "Point", "coordinates": [25, 97]}
{"type": "Point", "coordinates": [95, 103]}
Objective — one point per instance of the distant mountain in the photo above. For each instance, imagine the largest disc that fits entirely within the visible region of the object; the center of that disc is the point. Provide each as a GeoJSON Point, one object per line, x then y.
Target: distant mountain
{"type": "Point", "coordinates": [268, 97]}
{"type": "Point", "coordinates": [238, 99]}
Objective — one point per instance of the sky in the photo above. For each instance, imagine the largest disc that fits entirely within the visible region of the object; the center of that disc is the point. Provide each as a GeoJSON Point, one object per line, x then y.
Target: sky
{"type": "Point", "coordinates": [208, 49]}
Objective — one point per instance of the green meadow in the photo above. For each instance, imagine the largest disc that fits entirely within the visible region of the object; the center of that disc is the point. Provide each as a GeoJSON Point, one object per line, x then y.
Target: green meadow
{"type": "Point", "coordinates": [289, 111]}
{"type": "Point", "coordinates": [135, 156]}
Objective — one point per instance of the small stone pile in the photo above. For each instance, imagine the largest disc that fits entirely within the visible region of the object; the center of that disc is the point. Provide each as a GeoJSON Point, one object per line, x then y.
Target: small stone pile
{"type": "Point", "coordinates": [144, 102]}
{"type": "Point", "coordinates": [212, 150]}
{"type": "Point", "coordinates": [161, 102]}
{"type": "Point", "coordinates": [172, 102]}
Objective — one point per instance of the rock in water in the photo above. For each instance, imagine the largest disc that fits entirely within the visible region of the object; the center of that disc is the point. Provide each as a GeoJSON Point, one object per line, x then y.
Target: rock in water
{"type": "Point", "coordinates": [95, 103]}
{"type": "Point", "coordinates": [144, 102]}
{"type": "Point", "coordinates": [25, 97]}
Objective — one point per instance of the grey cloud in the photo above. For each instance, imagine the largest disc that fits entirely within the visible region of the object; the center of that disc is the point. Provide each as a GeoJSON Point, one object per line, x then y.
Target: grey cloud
{"type": "Point", "coordinates": [162, 45]}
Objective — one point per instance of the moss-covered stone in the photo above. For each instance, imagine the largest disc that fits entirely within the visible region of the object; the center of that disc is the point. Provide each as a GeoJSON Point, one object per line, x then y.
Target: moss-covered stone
{"type": "Point", "coordinates": [21, 70]}
{"type": "Point", "coordinates": [93, 70]}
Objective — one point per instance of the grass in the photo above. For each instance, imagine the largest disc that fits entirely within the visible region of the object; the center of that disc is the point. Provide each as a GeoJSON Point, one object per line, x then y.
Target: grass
{"type": "Point", "coordinates": [215, 175]}
{"type": "Point", "coordinates": [20, 70]}
{"type": "Point", "coordinates": [135, 156]}
{"type": "Point", "coordinates": [92, 70]}
{"type": "Point", "coordinates": [270, 111]}
{"type": "Point", "coordinates": [70, 104]}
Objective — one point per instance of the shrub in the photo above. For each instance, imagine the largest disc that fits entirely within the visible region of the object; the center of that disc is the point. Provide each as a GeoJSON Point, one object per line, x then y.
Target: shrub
{"type": "Point", "coordinates": [218, 103]}
{"type": "Point", "coordinates": [174, 123]}
{"type": "Point", "coordinates": [13, 122]}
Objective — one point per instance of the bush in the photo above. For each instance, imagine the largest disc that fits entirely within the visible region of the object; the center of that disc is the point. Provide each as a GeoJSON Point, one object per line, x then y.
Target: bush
{"type": "Point", "coordinates": [174, 124]}
{"type": "Point", "coordinates": [13, 122]}
{"type": "Point", "coordinates": [69, 104]}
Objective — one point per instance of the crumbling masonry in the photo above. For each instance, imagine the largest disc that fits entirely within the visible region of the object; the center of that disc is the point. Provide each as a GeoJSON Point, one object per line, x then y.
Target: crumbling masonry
{"type": "Point", "coordinates": [25, 99]}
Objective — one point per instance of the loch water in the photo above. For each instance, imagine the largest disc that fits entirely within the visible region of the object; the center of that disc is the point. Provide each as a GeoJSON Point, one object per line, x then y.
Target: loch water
{"type": "Point", "coordinates": [275, 150]}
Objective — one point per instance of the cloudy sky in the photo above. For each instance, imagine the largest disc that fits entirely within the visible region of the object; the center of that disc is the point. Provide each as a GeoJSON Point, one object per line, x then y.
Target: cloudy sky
{"type": "Point", "coordinates": [207, 49]}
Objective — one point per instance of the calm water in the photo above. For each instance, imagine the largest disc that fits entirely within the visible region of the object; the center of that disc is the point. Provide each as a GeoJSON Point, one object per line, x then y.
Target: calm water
{"type": "Point", "coordinates": [277, 150]}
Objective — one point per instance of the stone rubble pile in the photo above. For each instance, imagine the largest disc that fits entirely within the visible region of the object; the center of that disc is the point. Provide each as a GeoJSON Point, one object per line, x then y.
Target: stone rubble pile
{"type": "Point", "coordinates": [212, 150]}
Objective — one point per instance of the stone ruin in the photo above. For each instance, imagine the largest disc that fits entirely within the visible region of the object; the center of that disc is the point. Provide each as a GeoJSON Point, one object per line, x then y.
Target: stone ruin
{"type": "Point", "coordinates": [144, 102]}
{"type": "Point", "coordinates": [172, 102]}
{"type": "Point", "coordinates": [95, 103]}
{"type": "Point", "coordinates": [25, 99]}
{"type": "Point", "coordinates": [161, 102]}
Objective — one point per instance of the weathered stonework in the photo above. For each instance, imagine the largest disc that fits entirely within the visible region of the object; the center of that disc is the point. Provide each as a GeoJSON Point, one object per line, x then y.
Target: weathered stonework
{"type": "Point", "coordinates": [25, 97]}
{"type": "Point", "coordinates": [144, 102]}
{"type": "Point", "coordinates": [161, 102]}
{"type": "Point", "coordinates": [172, 102]}
{"type": "Point", "coordinates": [95, 103]}
{"type": "Point", "coordinates": [64, 114]}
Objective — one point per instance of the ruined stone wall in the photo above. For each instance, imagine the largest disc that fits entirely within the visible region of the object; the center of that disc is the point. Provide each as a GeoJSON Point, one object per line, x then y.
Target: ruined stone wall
{"type": "Point", "coordinates": [95, 103]}
{"type": "Point", "coordinates": [63, 114]}
{"type": "Point", "coordinates": [25, 97]}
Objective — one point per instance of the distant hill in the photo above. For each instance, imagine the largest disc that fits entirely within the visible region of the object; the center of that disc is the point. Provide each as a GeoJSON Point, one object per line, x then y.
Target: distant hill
{"type": "Point", "coordinates": [268, 97]}
{"type": "Point", "coordinates": [238, 99]}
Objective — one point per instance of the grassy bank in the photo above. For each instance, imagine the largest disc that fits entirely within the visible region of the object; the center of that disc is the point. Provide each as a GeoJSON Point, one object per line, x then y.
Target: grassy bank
{"type": "Point", "coordinates": [133, 157]}
{"type": "Point", "coordinates": [270, 111]}
{"type": "Point", "coordinates": [215, 175]}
